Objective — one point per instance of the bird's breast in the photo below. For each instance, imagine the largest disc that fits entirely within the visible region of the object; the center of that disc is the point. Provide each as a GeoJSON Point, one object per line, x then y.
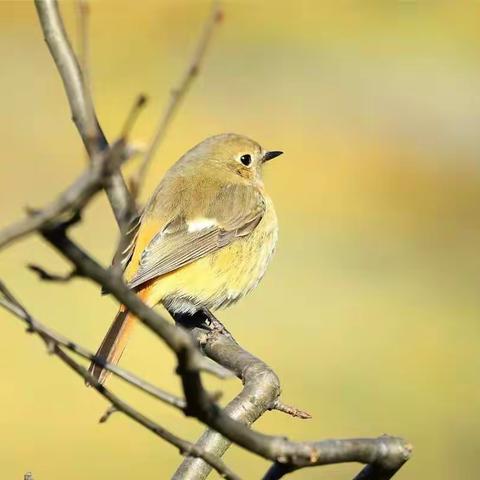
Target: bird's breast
{"type": "Point", "coordinates": [221, 279]}
{"type": "Point", "coordinates": [241, 265]}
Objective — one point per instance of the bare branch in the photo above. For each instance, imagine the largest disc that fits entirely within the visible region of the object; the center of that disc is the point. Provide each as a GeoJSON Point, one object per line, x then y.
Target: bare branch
{"type": "Point", "coordinates": [289, 410]}
{"type": "Point", "coordinates": [177, 95]}
{"type": "Point", "coordinates": [186, 448]}
{"type": "Point", "coordinates": [140, 102]}
{"type": "Point", "coordinates": [387, 455]}
{"type": "Point", "coordinates": [259, 382]}
{"type": "Point", "coordinates": [377, 472]}
{"type": "Point", "coordinates": [108, 413]}
{"type": "Point", "coordinates": [389, 452]}
{"type": "Point", "coordinates": [11, 304]}
{"type": "Point", "coordinates": [277, 471]}
{"type": "Point", "coordinates": [73, 199]}
{"type": "Point", "coordinates": [77, 93]}
{"type": "Point", "coordinates": [82, 8]}
{"type": "Point", "coordinates": [52, 277]}
{"type": "Point", "coordinates": [79, 98]}
{"type": "Point", "coordinates": [199, 402]}
{"type": "Point", "coordinates": [98, 175]}
{"type": "Point", "coordinates": [183, 446]}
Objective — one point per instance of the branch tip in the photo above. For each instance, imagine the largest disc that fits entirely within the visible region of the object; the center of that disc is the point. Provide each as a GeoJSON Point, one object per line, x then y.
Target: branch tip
{"type": "Point", "coordinates": [51, 277]}
{"type": "Point", "coordinates": [290, 410]}
{"type": "Point", "coordinates": [132, 116]}
{"type": "Point", "coordinates": [108, 413]}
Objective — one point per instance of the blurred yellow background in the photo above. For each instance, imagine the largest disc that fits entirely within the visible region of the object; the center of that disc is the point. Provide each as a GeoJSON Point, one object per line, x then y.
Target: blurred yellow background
{"type": "Point", "coordinates": [370, 310]}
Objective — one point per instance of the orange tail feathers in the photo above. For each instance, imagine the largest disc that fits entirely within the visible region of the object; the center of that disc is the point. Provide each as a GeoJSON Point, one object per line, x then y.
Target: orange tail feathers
{"type": "Point", "coordinates": [115, 340]}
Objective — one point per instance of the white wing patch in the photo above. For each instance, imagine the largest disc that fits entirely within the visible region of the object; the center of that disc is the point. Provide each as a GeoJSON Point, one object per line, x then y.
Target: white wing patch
{"type": "Point", "coordinates": [201, 223]}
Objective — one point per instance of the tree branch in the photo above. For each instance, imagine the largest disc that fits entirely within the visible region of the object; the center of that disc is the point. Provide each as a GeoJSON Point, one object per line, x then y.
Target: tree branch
{"type": "Point", "coordinates": [388, 452]}
{"type": "Point", "coordinates": [259, 382]}
{"type": "Point", "coordinates": [97, 176]}
{"type": "Point", "coordinates": [12, 305]}
{"type": "Point", "coordinates": [73, 199]}
{"type": "Point", "coordinates": [277, 471]}
{"type": "Point", "coordinates": [82, 9]}
{"type": "Point", "coordinates": [377, 472]}
{"type": "Point", "coordinates": [54, 343]}
{"type": "Point", "coordinates": [52, 277]}
{"type": "Point", "coordinates": [384, 455]}
{"type": "Point", "coordinates": [290, 410]}
{"type": "Point", "coordinates": [185, 448]}
{"type": "Point", "coordinates": [79, 98]}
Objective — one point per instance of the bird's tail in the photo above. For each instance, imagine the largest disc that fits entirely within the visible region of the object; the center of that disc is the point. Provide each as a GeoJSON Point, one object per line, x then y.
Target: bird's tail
{"type": "Point", "coordinates": [116, 339]}
{"type": "Point", "coordinates": [113, 344]}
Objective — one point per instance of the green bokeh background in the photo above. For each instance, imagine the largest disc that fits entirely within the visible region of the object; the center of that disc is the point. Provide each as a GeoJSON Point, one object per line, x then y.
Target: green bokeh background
{"type": "Point", "coordinates": [370, 310]}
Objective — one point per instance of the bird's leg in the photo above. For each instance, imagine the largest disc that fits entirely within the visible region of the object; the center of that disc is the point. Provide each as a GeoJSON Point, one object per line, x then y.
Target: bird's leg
{"type": "Point", "coordinates": [186, 320]}
{"type": "Point", "coordinates": [214, 324]}
{"type": "Point", "coordinates": [202, 318]}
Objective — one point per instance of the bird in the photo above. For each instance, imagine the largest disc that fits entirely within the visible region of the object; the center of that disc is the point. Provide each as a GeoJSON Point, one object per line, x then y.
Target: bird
{"type": "Point", "coordinates": [204, 239]}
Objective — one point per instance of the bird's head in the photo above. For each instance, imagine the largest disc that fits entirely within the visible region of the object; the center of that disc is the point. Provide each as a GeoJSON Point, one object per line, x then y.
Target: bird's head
{"type": "Point", "coordinates": [231, 153]}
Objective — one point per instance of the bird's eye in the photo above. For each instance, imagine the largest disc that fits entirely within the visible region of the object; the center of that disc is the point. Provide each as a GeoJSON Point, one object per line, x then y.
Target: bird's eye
{"type": "Point", "coordinates": [246, 159]}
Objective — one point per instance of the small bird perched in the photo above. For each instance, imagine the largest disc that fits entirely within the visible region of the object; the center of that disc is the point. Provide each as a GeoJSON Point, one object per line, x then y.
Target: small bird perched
{"type": "Point", "coordinates": [205, 238]}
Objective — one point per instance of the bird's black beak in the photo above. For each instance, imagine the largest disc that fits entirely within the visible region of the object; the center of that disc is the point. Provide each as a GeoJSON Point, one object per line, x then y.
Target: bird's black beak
{"type": "Point", "coordinates": [269, 155]}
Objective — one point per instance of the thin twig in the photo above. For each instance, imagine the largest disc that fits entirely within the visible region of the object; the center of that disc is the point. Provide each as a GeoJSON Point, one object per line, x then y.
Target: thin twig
{"type": "Point", "coordinates": [175, 338]}
{"type": "Point", "coordinates": [185, 447]}
{"type": "Point", "coordinates": [82, 8]}
{"type": "Point", "coordinates": [78, 95]}
{"type": "Point", "coordinates": [52, 277]}
{"type": "Point", "coordinates": [289, 410]}
{"type": "Point", "coordinates": [53, 344]}
{"type": "Point", "coordinates": [11, 304]}
{"type": "Point", "coordinates": [99, 173]}
{"type": "Point", "coordinates": [108, 413]}
{"type": "Point", "coordinates": [177, 94]}
{"type": "Point", "coordinates": [376, 472]}
{"type": "Point", "coordinates": [132, 116]}
{"type": "Point", "coordinates": [71, 200]}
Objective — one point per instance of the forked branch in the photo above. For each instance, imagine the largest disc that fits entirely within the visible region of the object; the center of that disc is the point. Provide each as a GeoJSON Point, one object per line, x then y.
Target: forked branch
{"type": "Point", "coordinates": [389, 453]}
{"type": "Point", "coordinates": [55, 345]}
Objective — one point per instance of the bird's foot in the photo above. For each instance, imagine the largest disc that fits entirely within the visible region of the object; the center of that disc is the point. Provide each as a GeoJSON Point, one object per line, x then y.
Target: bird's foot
{"type": "Point", "coordinates": [213, 324]}
{"type": "Point", "coordinates": [203, 319]}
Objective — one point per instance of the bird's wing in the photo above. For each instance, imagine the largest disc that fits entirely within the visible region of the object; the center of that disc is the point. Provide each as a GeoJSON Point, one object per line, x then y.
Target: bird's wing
{"type": "Point", "coordinates": [125, 251]}
{"type": "Point", "coordinates": [233, 213]}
